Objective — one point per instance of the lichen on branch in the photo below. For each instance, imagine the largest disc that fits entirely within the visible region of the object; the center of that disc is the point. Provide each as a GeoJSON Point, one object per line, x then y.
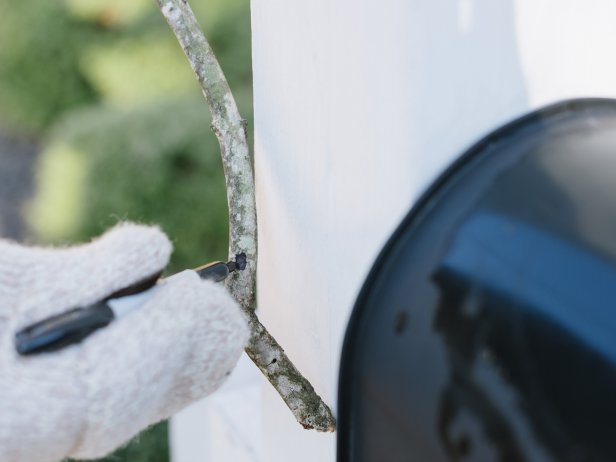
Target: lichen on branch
{"type": "Point", "coordinates": [229, 127]}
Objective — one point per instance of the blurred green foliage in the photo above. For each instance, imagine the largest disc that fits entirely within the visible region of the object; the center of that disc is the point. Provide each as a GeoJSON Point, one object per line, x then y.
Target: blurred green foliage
{"type": "Point", "coordinates": [58, 55]}
{"type": "Point", "coordinates": [152, 164]}
{"type": "Point", "coordinates": [40, 47]}
{"type": "Point", "coordinates": [124, 127]}
{"type": "Point", "coordinates": [151, 445]}
{"type": "Point", "coordinates": [111, 70]}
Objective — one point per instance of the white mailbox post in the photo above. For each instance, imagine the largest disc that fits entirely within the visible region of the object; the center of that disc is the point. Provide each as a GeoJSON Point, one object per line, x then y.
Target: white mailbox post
{"type": "Point", "coordinates": [359, 105]}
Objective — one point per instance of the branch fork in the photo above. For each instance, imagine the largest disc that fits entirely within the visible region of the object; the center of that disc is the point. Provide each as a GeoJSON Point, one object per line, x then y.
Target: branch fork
{"type": "Point", "coordinates": [230, 129]}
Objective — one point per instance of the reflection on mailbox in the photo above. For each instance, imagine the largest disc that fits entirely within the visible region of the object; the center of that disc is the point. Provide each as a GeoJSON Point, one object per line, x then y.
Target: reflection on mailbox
{"type": "Point", "coordinates": [486, 330]}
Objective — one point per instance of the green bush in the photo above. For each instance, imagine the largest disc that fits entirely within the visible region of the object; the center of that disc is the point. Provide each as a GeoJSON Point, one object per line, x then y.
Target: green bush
{"type": "Point", "coordinates": [158, 164]}
{"type": "Point", "coordinates": [60, 55]}
{"type": "Point", "coordinates": [150, 446]}
{"type": "Point", "coordinates": [40, 48]}
{"type": "Point", "coordinates": [125, 128]}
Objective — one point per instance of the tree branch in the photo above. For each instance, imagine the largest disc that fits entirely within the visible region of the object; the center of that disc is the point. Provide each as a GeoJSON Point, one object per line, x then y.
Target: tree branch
{"type": "Point", "coordinates": [297, 392]}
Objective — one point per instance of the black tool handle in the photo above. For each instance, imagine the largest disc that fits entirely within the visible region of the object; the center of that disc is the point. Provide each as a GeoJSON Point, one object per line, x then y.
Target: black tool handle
{"type": "Point", "coordinates": [216, 271]}
{"type": "Point", "coordinates": [75, 325]}
{"type": "Point", "coordinates": [63, 329]}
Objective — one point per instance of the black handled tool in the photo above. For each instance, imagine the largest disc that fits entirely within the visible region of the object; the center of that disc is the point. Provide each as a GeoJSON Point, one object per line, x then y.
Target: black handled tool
{"type": "Point", "coordinates": [76, 324]}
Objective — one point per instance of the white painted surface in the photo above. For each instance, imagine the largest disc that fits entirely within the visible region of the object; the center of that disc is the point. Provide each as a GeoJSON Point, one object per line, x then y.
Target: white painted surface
{"type": "Point", "coordinates": [226, 426]}
{"type": "Point", "coordinates": [566, 48]}
{"type": "Point", "coordinates": [359, 105]}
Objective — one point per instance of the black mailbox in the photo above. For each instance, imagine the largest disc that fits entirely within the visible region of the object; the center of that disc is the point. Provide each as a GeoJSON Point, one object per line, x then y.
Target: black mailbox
{"type": "Point", "coordinates": [486, 330]}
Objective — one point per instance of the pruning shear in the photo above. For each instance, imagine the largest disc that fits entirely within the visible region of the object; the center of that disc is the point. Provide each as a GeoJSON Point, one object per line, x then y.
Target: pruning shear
{"type": "Point", "coordinates": [76, 324]}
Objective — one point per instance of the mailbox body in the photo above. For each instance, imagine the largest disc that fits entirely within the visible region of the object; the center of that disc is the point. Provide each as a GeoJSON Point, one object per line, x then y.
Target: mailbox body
{"type": "Point", "coordinates": [486, 329]}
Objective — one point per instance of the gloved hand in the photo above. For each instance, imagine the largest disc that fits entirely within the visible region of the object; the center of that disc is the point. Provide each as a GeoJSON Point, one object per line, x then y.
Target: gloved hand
{"type": "Point", "coordinates": [87, 399]}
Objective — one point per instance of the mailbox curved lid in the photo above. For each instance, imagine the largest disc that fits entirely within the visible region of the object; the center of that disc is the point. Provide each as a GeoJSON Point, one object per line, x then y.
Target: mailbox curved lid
{"type": "Point", "coordinates": [486, 330]}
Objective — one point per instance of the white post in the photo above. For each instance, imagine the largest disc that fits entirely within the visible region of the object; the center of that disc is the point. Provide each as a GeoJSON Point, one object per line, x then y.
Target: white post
{"type": "Point", "coordinates": [359, 105]}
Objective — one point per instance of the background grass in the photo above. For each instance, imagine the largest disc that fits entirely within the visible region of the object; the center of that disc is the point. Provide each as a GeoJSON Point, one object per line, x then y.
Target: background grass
{"type": "Point", "coordinates": [102, 87]}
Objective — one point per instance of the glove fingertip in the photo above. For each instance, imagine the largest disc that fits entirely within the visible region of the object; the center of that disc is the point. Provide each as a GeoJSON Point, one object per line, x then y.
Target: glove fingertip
{"type": "Point", "coordinates": [148, 243]}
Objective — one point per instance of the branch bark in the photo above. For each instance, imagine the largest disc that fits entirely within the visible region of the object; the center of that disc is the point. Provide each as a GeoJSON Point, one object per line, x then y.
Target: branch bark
{"type": "Point", "coordinates": [296, 391]}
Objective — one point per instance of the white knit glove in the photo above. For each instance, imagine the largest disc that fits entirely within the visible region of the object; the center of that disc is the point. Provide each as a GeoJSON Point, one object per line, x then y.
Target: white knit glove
{"type": "Point", "coordinates": [87, 399]}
